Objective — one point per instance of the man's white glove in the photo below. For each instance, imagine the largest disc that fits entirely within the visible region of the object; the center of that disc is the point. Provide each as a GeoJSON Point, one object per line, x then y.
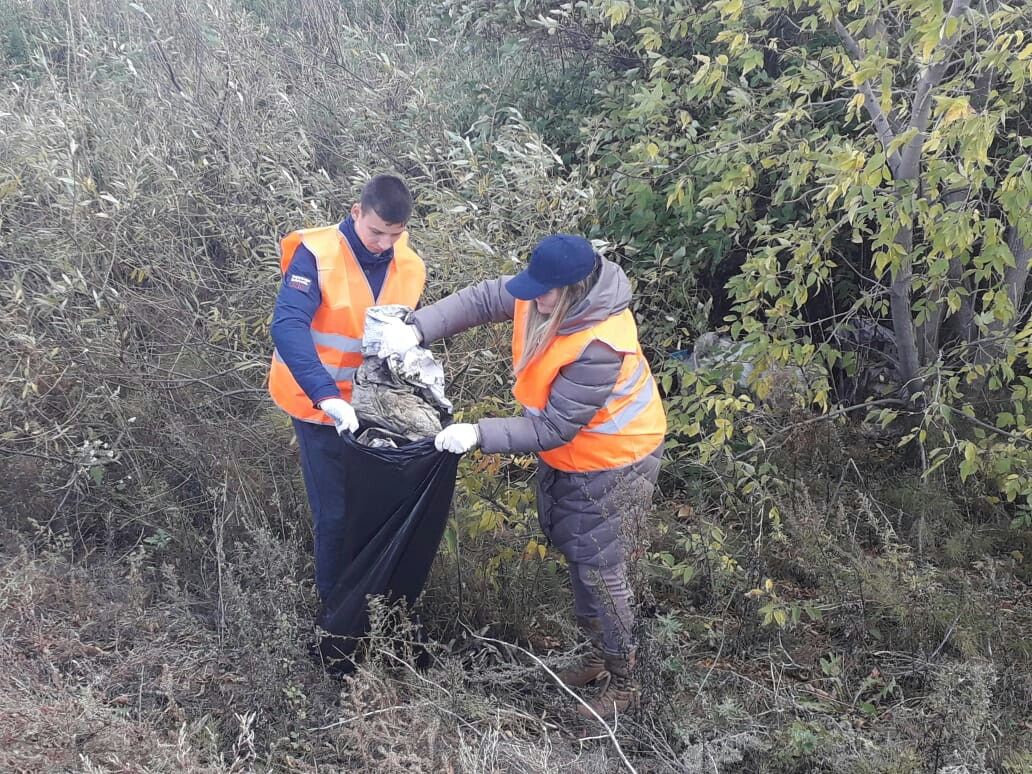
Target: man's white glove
{"type": "Point", "coordinates": [341, 413]}
{"type": "Point", "coordinates": [458, 438]}
{"type": "Point", "coordinates": [397, 338]}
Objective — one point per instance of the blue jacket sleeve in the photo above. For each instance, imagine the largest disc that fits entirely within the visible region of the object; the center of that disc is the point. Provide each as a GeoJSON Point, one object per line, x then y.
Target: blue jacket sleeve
{"type": "Point", "coordinates": [296, 304]}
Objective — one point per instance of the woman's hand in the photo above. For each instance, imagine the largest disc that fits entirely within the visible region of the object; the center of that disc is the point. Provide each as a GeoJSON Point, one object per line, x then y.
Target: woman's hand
{"type": "Point", "coordinates": [398, 338]}
{"type": "Point", "coordinates": [458, 438]}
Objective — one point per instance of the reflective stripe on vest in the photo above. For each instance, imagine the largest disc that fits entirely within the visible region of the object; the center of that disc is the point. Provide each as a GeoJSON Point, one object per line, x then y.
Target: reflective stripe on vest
{"type": "Point", "coordinates": [336, 341]}
{"type": "Point", "coordinates": [632, 422]}
{"type": "Point", "coordinates": [623, 418]}
{"type": "Point", "coordinates": [337, 374]}
{"type": "Point", "coordinates": [340, 319]}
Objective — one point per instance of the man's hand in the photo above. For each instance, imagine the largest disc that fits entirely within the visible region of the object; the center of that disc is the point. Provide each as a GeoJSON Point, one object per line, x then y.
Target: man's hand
{"type": "Point", "coordinates": [341, 413]}
{"type": "Point", "coordinates": [458, 438]}
{"type": "Point", "coordinates": [398, 338]}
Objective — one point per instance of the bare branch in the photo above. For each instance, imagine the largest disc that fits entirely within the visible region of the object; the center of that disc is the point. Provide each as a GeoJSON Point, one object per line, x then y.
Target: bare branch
{"type": "Point", "coordinates": [47, 457]}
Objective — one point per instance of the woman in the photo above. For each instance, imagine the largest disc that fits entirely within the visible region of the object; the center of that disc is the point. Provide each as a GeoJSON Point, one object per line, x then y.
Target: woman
{"type": "Point", "coordinates": [592, 414]}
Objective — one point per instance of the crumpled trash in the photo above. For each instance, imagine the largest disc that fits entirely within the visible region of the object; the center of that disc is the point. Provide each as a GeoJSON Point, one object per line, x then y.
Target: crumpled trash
{"type": "Point", "coordinates": [416, 366]}
{"type": "Point", "coordinates": [713, 351]}
{"type": "Point", "coordinates": [399, 398]}
{"type": "Point", "coordinates": [875, 368]}
{"type": "Point", "coordinates": [781, 385]}
{"type": "Point", "coordinates": [378, 438]}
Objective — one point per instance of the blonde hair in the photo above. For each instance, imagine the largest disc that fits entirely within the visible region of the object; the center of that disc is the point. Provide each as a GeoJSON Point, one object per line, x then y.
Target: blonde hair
{"type": "Point", "coordinates": [539, 329]}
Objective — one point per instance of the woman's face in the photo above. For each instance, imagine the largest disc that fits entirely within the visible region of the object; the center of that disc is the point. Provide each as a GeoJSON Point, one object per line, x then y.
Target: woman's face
{"type": "Point", "coordinates": [546, 303]}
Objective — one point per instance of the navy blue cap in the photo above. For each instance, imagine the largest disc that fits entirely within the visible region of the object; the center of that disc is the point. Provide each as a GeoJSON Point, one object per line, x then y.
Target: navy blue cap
{"type": "Point", "coordinates": [557, 261]}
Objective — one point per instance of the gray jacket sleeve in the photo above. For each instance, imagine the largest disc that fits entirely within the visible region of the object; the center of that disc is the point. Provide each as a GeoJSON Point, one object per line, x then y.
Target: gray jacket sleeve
{"type": "Point", "coordinates": [578, 392]}
{"type": "Point", "coordinates": [485, 302]}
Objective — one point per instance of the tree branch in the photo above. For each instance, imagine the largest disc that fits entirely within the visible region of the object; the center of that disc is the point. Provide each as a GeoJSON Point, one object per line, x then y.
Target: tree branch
{"type": "Point", "coordinates": [47, 457]}
{"type": "Point", "coordinates": [849, 41]}
{"type": "Point", "coordinates": [872, 101]}
{"type": "Point", "coordinates": [921, 108]}
{"type": "Point", "coordinates": [1012, 437]}
{"type": "Point", "coordinates": [908, 178]}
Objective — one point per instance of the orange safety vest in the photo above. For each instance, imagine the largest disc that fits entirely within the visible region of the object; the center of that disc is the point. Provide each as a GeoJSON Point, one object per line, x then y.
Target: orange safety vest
{"type": "Point", "coordinates": [632, 422]}
{"type": "Point", "coordinates": [340, 319]}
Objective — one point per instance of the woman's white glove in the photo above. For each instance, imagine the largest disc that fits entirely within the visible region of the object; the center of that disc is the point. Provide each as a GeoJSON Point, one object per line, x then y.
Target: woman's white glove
{"type": "Point", "coordinates": [458, 438]}
{"type": "Point", "coordinates": [397, 338]}
{"type": "Point", "coordinates": [343, 416]}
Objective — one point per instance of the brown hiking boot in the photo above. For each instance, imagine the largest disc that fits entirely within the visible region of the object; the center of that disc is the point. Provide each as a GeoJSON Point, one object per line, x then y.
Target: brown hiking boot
{"type": "Point", "coordinates": [621, 693]}
{"type": "Point", "coordinates": [592, 664]}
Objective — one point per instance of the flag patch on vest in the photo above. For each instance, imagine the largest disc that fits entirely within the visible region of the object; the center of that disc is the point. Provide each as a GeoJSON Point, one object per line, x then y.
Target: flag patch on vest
{"type": "Point", "coordinates": [299, 282]}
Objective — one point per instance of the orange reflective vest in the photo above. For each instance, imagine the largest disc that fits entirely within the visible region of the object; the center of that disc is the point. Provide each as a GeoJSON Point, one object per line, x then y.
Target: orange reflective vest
{"type": "Point", "coordinates": [340, 319]}
{"type": "Point", "coordinates": [632, 422]}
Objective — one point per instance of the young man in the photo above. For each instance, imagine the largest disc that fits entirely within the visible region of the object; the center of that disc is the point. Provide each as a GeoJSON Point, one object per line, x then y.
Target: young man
{"type": "Point", "coordinates": [331, 275]}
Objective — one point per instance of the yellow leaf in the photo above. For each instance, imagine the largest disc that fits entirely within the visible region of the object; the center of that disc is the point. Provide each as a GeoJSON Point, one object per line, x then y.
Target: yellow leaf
{"type": "Point", "coordinates": [958, 108]}
{"type": "Point", "coordinates": [617, 11]}
{"type": "Point", "coordinates": [928, 46]}
{"type": "Point", "coordinates": [732, 9]}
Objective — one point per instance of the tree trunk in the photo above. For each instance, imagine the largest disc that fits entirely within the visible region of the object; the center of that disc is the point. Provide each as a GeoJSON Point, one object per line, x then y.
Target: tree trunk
{"type": "Point", "coordinates": [1015, 279]}
{"type": "Point", "coordinates": [962, 323]}
{"type": "Point", "coordinates": [903, 319]}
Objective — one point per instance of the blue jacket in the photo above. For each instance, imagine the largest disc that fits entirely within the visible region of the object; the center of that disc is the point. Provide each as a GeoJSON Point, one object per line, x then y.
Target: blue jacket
{"type": "Point", "coordinates": [297, 302]}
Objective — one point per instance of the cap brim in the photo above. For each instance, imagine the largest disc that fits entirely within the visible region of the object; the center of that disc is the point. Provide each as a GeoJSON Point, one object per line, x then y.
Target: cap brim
{"type": "Point", "coordinates": [525, 288]}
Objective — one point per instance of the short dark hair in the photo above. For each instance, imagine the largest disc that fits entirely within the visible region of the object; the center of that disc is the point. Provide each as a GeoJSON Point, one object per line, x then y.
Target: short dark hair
{"type": "Point", "coordinates": [388, 197]}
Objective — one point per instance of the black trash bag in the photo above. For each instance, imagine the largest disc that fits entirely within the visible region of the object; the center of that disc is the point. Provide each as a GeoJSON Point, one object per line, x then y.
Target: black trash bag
{"type": "Point", "coordinates": [398, 502]}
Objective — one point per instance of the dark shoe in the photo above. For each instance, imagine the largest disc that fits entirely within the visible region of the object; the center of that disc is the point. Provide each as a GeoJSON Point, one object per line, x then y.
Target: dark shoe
{"type": "Point", "coordinates": [592, 664]}
{"type": "Point", "coordinates": [621, 693]}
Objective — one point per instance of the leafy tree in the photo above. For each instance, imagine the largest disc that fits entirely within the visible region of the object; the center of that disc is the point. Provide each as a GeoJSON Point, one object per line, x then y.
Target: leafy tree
{"type": "Point", "coordinates": [844, 165]}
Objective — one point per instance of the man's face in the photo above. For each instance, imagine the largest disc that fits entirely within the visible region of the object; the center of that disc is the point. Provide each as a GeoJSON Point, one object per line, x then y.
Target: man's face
{"type": "Point", "coordinates": [375, 233]}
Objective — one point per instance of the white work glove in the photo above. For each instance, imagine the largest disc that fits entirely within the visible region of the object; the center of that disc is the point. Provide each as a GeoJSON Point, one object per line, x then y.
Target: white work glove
{"type": "Point", "coordinates": [458, 438]}
{"type": "Point", "coordinates": [341, 413]}
{"type": "Point", "coordinates": [397, 338]}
